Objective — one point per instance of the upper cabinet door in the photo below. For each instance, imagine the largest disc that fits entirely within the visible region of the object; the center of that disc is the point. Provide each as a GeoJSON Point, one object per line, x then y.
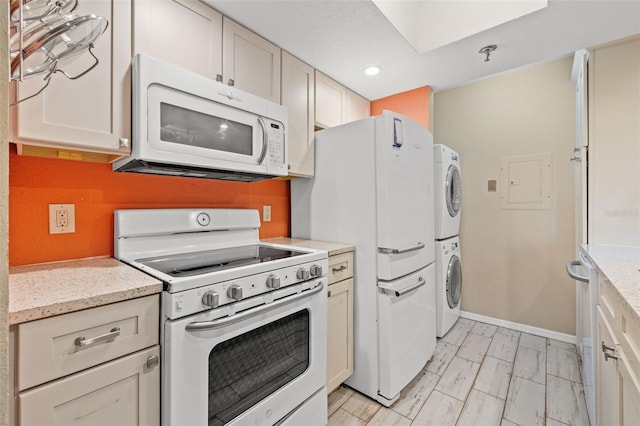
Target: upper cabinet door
{"type": "Point", "coordinates": [91, 113]}
{"type": "Point", "coordinates": [250, 62]}
{"type": "Point", "coordinates": [331, 102]}
{"type": "Point", "coordinates": [185, 33]}
{"type": "Point", "coordinates": [298, 95]}
{"type": "Point", "coordinates": [357, 107]}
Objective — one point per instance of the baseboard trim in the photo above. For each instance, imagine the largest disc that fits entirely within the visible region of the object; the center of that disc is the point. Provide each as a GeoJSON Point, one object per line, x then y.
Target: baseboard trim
{"type": "Point", "coordinates": [542, 332]}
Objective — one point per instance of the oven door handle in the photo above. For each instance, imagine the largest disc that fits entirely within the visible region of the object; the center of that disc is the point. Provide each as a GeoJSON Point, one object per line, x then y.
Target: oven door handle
{"type": "Point", "coordinates": [222, 322]}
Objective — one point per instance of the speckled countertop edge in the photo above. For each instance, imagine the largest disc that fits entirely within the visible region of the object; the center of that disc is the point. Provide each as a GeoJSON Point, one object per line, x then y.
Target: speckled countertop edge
{"type": "Point", "coordinates": [621, 266]}
{"type": "Point", "coordinates": [332, 248]}
{"type": "Point", "coordinates": [49, 289]}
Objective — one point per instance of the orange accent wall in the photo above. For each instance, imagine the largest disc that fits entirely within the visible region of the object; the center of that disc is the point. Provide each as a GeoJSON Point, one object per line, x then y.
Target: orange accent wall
{"type": "Point", "coordinates": [96, 191]}
{"type": "Point", "coordinates": [413, 103]}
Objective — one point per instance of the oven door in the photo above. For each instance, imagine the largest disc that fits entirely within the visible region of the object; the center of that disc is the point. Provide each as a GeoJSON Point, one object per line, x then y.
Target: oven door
{"type": "Point", "coordinates": [255, 367]}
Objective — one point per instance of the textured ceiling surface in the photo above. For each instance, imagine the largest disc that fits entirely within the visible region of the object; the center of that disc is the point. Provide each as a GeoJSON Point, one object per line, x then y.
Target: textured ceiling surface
{"type": "Point", "coordinates": [342, 37]}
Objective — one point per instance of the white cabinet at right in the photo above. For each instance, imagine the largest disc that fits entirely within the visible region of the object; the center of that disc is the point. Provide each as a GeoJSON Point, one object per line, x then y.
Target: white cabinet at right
{"type": "Point", "coordinates": [340, 320]}
{"type": "Point", "coordinates": [618, 360]}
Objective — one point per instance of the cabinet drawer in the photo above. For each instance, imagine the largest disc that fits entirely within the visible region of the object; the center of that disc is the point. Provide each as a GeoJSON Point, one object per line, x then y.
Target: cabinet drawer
{"type": "Point", "coordinates": [121, 392]}
{"type": "Point", "coordinates": [54, 347]}
{"type": "Point", "coordinates": [340, 267]}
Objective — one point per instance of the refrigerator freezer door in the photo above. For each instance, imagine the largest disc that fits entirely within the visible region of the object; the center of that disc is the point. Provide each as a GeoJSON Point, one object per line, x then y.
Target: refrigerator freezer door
{"type": "Point", "coordinates": [404, 180]}
{"type": "Point", "coordinates": [406, 329]}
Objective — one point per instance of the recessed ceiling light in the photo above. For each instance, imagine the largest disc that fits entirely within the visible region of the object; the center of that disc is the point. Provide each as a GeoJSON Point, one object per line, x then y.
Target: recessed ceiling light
{"type": "Point", "coordinates": [373, 70]}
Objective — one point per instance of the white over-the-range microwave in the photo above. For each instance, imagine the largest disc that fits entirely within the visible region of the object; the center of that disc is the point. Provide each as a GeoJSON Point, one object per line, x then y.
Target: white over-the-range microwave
{"type": "Point", "coordinates": [184, 124]}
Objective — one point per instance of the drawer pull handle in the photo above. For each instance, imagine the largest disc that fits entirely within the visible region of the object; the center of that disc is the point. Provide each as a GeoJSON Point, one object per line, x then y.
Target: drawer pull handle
{"type": "Point", "coordinates": [340, 269]}
{"type": "Point", "coordinates": [609, 352]}
{"type": "Point", "coordinates": [152, 361]}
{"type": "Point", "coordinates": [83, 342]}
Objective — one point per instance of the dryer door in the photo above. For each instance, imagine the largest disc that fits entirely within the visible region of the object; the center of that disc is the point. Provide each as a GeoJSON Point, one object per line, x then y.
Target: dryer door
{"type": "Point", "coordinates": [453, 190]}
{"type": "Point", "coordinates": [454, 281]}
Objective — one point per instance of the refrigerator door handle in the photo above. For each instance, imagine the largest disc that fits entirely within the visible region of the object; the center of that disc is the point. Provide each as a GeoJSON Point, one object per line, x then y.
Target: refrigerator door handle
{"type": "Point", "coordinates": [569, 266]}
{"type": "Point", "coordinates": [386, 250]}
{"type": "Point", "coordinates": [405, 290]}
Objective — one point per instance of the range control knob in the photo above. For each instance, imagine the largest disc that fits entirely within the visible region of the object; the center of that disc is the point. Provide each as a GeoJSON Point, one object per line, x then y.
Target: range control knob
{"type": "Point", "coordinates": [273, 281]}
{"type": "Point", "coordinates": [315, 270]}
{"type": "Point", "coordinates": [211, 299]}
{"type": "Point", "coordinates": [234, 292]}
{"type": "Point", "coordinates": [302, 274]}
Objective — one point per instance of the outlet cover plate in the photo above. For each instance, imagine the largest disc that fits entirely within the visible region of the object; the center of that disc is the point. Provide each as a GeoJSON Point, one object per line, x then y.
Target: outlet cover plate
{"type": "Point", "coordinates": [266, 213]}
{"type": "Point", "coordinates": [70, 212]}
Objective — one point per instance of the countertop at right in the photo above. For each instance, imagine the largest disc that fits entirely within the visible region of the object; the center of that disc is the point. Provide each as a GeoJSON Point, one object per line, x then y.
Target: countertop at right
{"type": "Point", "coordinates": [621, 266]}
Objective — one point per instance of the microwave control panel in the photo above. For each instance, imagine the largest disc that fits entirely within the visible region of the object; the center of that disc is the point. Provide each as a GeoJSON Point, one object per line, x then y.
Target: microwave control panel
{"type": "Point", "coordinates": [276, 151]}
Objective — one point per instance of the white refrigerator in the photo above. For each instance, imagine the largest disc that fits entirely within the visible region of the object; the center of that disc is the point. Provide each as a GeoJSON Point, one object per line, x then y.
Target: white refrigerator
{"type": "Point", "coordinates": [373, 188]}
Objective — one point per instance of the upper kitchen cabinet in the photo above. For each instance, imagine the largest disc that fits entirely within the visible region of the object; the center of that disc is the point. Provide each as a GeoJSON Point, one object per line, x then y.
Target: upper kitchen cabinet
{"type": "Point", "coordinates": [331, 102]}
{"type": "Point", "coordinates": [250, 62]}
{"type": "Point", "coordinates": [299, 96]}
{"type": "Point", "coordinates": [185, 33]}
{"type": "Point", "coordinates": [87, 118]}
{"type": "Point", "coordinates": [357, 107]}
{"type": "Point", "coordinates": [335, 104]}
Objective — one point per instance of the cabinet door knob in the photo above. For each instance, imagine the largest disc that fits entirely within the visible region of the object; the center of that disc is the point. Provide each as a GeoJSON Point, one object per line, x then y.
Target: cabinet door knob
{"type": "Point", "coordinates": [124, 143]}
{"type": "Point", "coordinates": [152, 361]}
{"type": "Point", "coordinates": [231, 82]}
{"type": "Point", "coordinates": [219, 77]}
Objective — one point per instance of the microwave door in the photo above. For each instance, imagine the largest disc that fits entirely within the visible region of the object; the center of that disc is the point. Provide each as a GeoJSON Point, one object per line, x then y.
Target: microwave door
{"type": "Point", "coordinates": [186, 126]}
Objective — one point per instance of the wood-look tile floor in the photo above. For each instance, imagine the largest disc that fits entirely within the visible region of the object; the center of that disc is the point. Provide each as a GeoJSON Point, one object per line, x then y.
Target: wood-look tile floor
{"type": "Point", "coordinates": [480, 375]}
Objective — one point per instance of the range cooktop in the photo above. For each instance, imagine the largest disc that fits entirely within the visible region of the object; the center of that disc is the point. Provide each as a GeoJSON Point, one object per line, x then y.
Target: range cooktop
{"type": "Point", "coordinates": [203, 262]}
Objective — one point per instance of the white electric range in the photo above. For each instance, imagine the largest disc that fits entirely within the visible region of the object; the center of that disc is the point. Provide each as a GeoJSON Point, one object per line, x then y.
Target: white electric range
{"type": "Point", "coordinates": [243, 327]}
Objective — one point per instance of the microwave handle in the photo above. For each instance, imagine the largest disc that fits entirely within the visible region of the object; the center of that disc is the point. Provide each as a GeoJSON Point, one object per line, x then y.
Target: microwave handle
{"type": "Point", "coordinates": [265, 139]}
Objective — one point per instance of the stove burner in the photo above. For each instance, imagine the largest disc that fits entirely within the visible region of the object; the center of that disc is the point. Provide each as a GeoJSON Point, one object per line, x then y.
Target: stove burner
{"type": "Point", "coordinates": [203, 262]}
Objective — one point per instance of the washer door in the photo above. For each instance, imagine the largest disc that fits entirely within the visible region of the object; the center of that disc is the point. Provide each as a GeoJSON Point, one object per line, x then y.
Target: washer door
{"type": "Point", "coordinates": [454, 281]}
{"type": "Point", "coordinates": [453, 190]}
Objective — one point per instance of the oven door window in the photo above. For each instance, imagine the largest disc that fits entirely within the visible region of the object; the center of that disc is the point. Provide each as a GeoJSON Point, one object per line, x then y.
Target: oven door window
{"type": "Point", "coordinates": [248, 368]}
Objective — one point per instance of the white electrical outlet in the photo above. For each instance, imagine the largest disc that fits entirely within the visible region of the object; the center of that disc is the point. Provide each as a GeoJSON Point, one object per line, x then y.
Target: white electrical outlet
{"type": "Point", "coordinates": [62, 218]}
{"type": "Point", "coordinates": [266, 213]}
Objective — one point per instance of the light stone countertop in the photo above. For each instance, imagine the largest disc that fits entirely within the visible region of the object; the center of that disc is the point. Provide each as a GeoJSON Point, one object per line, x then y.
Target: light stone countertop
{"type": "Point", "coordinates": [621, 266]}
{"type": "Point", "coordinates": [49, 289]}
{"type": "Point", "coordinates": [331, 248]}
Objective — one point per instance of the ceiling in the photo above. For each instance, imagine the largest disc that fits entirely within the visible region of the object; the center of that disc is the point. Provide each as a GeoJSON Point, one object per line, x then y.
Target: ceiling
{"type": "Point", "coordinates": [343, 37]}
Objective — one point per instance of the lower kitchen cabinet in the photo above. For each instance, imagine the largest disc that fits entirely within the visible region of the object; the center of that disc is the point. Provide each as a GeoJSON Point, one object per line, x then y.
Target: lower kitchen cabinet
{"type": "Point", "coordinates": [618, 361]}
{"type": "Point", "coordinates": [340, 320]}
{"type": "Point", "coordinates": [120, 392]}
{"type": "Point", "coordinates": [99, 366]}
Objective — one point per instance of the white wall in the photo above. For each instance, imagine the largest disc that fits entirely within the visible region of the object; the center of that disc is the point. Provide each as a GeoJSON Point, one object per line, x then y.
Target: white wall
{"type": "Point", "coordinates": [513, 260]}
{"type": "Point", "coordinates": [614, 144]}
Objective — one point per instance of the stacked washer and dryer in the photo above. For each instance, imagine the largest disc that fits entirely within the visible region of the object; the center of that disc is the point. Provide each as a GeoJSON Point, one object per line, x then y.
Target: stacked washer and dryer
{"type": "Point", "coordinates": [448, 194]}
